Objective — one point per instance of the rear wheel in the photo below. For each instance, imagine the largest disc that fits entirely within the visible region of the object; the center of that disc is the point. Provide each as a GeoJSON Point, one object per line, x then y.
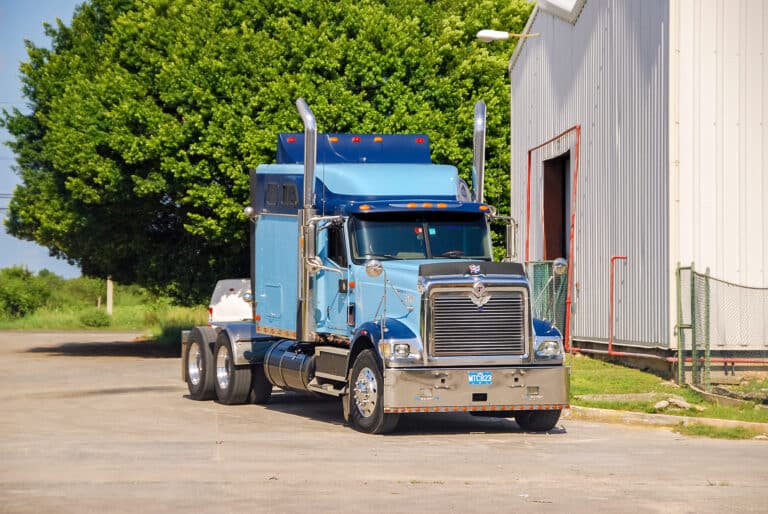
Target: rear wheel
{"type": "Point", "coordinates": [537, 420]}
{"type": "Point", "coordinates": [261, 388]}
{"type": "Point", "coordinates": [198, 363]}
{"type": "Point", "coordinates": [233, 383]}
{"type": "Point", "coordinates": [366, 402]}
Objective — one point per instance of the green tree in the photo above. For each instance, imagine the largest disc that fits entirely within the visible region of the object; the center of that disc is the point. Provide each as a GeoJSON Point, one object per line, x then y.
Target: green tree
{"type": "Point", "coordinates": [147, 114]}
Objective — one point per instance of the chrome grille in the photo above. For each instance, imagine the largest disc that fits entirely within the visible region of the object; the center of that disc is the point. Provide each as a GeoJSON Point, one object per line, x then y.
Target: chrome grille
{"type": "Point", "coordinates": [461, 328]}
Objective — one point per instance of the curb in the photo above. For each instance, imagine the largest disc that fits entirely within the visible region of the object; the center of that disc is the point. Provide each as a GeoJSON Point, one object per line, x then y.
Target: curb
{"type": "Point", "coordinates": [661, 420]}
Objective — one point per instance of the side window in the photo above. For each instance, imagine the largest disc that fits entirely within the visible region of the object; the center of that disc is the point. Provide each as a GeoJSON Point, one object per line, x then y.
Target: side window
{"type": "Point", "coordinates": [290, 195]}
{"type": "Point", "coordinates": [272, 193]}
{"type": "Point", "coordinates": [337, 251]}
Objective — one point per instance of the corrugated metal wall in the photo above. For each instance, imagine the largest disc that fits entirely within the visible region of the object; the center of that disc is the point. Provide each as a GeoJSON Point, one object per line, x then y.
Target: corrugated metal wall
{"type": "Point", "coordinates": [723, 148]}
{"type": "Point", "coordinates": [608, 73]}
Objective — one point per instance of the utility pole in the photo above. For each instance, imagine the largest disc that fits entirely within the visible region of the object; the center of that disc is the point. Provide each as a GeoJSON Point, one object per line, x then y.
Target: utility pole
{"type": "Point", "coordinates": [109, 294]}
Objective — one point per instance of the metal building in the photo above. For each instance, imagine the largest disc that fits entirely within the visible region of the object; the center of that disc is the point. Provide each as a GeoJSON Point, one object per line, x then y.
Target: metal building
{"type": "Point", "coordinates": [639, 131]}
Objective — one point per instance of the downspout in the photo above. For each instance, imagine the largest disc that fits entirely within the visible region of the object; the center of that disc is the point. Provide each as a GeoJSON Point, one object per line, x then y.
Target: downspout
{"type": "Point", "coordinates": [305, 325]}
{"type": "Point", "coordinates": [478, 155]}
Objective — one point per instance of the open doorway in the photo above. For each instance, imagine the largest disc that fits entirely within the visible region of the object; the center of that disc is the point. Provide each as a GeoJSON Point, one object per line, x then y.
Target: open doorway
{"type": "Point", "coordinates": [555, 206]}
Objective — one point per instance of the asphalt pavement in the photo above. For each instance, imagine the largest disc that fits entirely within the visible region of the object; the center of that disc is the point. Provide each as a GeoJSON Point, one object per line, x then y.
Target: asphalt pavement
{"type": "Point", "coordinates": [96, 422]}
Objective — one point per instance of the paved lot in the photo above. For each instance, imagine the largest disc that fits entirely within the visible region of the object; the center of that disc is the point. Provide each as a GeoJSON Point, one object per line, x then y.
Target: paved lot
{"type": "Point", "coordinates": [99, 422]}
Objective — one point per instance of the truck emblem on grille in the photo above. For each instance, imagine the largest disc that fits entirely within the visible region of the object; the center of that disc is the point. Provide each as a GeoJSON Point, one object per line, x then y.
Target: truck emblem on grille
{"type": "Point", "coordinates": [474, 269]}
{"type": "Point", "coordinates": [479, 295]}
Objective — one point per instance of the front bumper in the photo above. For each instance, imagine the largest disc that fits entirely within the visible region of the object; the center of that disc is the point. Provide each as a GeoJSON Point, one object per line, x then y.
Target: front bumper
{"type": "Point", "coordinates": [451, 390]}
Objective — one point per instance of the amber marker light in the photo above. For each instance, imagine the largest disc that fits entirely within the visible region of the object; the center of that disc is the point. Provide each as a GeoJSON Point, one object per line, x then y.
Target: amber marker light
{"type": "Point", "coordinates": [412, 205]}
{"type": "Point", "coordinates": [333, 139]}
{"type": "Point", "coordinates": [427, 205]}
{"type": "Point", "coordinates": [365, 207]}
{"type": "Point", "coordinates": [352, 284]}
{"type": "Point", "coordinates": [442, 205]}
{"type": "Point", "coordinates": [378, 139]}
{"type": "Point", "coordinates": [483, 207]}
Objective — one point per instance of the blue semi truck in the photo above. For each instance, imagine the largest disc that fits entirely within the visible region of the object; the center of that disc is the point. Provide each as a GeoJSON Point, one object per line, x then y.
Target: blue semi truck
{"type": "Point", "coordinates": [372, 280]}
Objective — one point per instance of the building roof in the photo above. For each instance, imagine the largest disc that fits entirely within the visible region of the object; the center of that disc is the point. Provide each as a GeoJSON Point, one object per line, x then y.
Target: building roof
{"type": "Point", "coordinates": [567, 10]}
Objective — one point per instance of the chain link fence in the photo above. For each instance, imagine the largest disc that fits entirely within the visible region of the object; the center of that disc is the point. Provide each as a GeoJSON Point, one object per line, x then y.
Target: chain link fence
{"type": "Point", "coordinates": [548, 292]}
{"type": "Point", "coordinates": [715, 316]}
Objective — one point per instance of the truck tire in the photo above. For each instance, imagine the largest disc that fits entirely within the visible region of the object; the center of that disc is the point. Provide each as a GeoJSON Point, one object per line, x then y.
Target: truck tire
{"type": "Point", "coordinates": [232, 383]}
{"type": "Point", "coordinates": [367, 397]}
{"type": "Point", "coordinates": [198, 362]}
{"type": "Point", "coordinates": [537, 420]}
{"type": "Point", "coordinates": [261, 388]}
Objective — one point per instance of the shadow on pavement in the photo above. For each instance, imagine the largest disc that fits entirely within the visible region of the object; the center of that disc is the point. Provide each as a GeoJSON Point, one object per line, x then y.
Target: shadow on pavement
{"type": "Point", "coordinates": [144, 349]}
{"type": "Point", "coordinates": [328, 410]}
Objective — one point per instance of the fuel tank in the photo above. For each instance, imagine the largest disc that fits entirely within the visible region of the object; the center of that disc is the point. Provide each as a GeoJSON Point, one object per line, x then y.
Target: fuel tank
{"type": "Point", "coordinates": [290, 365]}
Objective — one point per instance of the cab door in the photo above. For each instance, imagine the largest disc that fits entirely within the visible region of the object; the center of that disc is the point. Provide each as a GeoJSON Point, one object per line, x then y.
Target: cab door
{"type": "Point", "coordinates": [331, 287]}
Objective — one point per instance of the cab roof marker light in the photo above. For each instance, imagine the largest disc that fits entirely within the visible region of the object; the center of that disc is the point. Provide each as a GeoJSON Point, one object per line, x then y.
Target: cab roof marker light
{"type": "Point", "coordinates": [442, 205]}
{"type": "Point", "coordinates": [484, 208]}
{"type": "Point", "coordinates": [365, 207]}
{"type": "Point", "coordinates": [427, 205]}
{"type": "Point", "coordinates": [412, 205]}
{"type": "Point", "coordinates": [378, 139]}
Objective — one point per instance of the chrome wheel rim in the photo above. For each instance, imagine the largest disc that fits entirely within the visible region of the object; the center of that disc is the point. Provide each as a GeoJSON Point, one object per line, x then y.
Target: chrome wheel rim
{"type": "Point", "coordinates": [195, 364]}
{"type": "Point", "coordinates": [222, 367]}
{"type": "Point", "coordinates": [366, 390]}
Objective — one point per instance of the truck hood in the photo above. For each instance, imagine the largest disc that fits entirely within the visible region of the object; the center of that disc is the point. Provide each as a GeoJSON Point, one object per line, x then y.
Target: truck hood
{"type": "Point", "coordinates": [405, 305]}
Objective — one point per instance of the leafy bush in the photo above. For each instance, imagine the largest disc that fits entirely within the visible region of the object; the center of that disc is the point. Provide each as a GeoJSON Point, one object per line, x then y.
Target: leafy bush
{"type": "Point", "coordinates": [21, 293]}
{"type": "Point", "coordinates": [95, 318]}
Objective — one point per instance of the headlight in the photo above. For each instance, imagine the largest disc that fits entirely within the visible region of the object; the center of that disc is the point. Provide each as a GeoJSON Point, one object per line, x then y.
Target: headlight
{"type": "Point", "coordinates": [402, 349]}
{"type": "Point", "coordinates": [548, 349]}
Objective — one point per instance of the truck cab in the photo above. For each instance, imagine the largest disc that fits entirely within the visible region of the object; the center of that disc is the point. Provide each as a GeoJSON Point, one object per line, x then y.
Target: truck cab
{"type": "Point", "coordinates": [381, 289]}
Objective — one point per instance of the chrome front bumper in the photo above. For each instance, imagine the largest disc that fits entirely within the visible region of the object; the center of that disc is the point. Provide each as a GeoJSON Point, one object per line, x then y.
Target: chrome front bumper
{"type": "Point", "coordinates": [452, 390]}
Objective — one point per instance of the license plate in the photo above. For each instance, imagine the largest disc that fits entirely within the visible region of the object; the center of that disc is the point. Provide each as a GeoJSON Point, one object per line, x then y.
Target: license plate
{"type": "Point", "coordinates": [480, 378]}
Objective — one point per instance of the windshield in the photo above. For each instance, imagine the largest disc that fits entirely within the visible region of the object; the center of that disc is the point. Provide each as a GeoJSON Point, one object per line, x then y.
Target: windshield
{"type": "Point", "coordinates": [424, 235]}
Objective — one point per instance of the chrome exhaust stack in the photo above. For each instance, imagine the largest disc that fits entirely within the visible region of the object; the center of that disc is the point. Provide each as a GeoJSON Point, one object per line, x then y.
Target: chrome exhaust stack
{"type": "Point", "coordinates": [305, 330]}
{"type": "Point", "coordinates": [478, 155]}
{"type": "Point", "coordinates": [310, 151]}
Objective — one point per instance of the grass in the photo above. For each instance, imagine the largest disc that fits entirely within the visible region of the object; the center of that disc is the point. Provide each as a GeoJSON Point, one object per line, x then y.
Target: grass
{"type": "Point", "coordinates": [53, 303]}
{"type": "Point", "coordinates": [698, 430]}
{"type": "Point", "coordinates": [162, 323]}
{"type": "Point", "coordinates": [595, 377]}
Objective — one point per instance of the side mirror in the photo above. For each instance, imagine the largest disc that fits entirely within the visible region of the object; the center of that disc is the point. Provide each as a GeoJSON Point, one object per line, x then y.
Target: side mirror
{"type": "Point", "coordinates": [373, 268]}
{"type": "Point", "coordinates": [511, 240]}
{"type": "Point", "coordinates": [314, 264]}
{"type": "Point", "coordinates": [560, 266]}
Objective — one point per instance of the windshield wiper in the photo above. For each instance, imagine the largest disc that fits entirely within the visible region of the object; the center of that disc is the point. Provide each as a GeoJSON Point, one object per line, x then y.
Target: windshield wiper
{"type": "Point", "coordinates": [384, 256]}
{"type": "Point", "coordinates": [453, 254]}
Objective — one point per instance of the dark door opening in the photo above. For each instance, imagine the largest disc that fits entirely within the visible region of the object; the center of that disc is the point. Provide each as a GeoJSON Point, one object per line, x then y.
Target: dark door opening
{"type": "Point", "coordinates": [556, 187]}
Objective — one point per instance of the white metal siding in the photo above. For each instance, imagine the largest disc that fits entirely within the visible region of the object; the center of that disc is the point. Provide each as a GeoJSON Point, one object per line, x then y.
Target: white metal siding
{"type": "Point", "coordinates": [723, 104]}
{"type": "Point", "coordinates": [608, 73]}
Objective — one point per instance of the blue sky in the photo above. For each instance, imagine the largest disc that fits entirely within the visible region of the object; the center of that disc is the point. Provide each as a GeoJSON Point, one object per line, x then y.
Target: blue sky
{"type": "Point", "coordinates": [20, 20]}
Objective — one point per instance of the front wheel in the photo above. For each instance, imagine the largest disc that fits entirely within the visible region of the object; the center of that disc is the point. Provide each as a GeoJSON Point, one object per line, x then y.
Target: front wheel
{"type": "Point", "coordinates": [367, 397]}
{"type": "Point", "coordinates": [537, 420]}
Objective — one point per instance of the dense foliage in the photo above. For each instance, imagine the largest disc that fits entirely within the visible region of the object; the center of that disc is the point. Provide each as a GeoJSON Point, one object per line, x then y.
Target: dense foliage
{"type": "Point", "coordinates": [147, 114]}
{"type": "Point", "coordinates": [22, 292]}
